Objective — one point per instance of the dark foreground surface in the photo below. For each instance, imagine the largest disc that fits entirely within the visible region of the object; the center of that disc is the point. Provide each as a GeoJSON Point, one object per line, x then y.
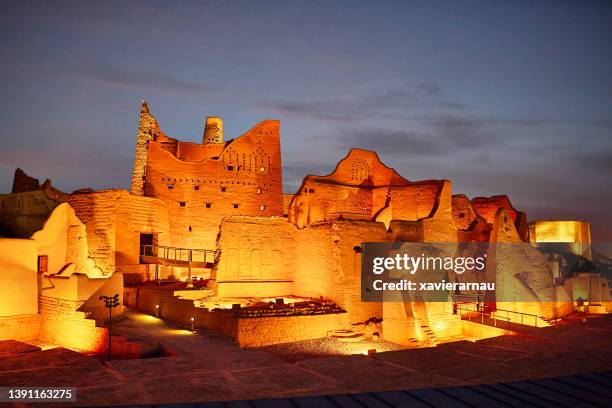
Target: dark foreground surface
{"type": "Point", "coordinates": [208, 368]}
{"type": "Point", "coordinates": [585, 390]}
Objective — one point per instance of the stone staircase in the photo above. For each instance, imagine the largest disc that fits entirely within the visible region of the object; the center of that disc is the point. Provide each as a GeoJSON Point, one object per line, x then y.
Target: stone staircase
{"type": "Point", "coordinates": [429, 335]}
{"type": "Point", "coordinates": [347, 335]}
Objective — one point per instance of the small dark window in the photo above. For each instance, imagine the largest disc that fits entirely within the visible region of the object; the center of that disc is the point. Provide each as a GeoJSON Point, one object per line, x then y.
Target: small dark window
{"type": "Point", "coordinates": [182, 203]}
{"type": "Point", "coordinates": [223, 188]}
{"type": "Point", "coordinates": [190, 228]}
{"type": "Point", "coordinates": [461, 215]}
{"type": "Point", "coordinates": [311, 190]}
{"type": "Point", "coordinates": [208, 205]}
{"type": "Point", "coordinates": [230, 168]}
{"type": "Point", "coordinates": [196, 187]}
{"type": "Point", "coordinates": [235, 205]}
{"type": "Point", "coordinates": [170, 186]}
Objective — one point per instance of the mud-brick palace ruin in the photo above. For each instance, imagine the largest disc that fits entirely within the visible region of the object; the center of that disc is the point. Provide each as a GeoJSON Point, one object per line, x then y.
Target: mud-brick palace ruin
{"type": "Point", "coordinates": [207, 234]}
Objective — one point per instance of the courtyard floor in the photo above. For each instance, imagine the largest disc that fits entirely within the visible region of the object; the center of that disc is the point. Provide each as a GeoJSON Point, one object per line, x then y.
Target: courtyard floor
{"type": "Point", "coordinates": [209, 367]}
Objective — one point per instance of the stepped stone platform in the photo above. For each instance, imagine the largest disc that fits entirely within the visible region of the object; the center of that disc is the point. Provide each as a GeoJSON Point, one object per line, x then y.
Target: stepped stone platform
{"type": "Point", "coordinates": [208, 368]}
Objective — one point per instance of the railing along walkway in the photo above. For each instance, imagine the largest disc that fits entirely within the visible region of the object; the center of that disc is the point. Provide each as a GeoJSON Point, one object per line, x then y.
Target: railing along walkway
{"type": "Point", "coordinates": [173, 256]}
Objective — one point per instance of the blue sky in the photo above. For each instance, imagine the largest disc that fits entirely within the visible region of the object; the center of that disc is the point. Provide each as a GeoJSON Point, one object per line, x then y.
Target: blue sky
{"type": "Point", "coordinates": [499, 97]}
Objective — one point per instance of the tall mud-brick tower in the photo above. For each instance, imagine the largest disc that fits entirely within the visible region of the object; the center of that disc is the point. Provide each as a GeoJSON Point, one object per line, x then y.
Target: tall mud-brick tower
{"type": "Point", "coordinates": [147, 130]}
{"type": "Point", "coordinates": [213, 130]}
{"type": "Point", "coordinates": [203, 183]}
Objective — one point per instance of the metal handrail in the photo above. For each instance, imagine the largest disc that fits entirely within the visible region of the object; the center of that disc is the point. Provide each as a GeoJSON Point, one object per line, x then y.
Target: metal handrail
{"type": "Point", "coordinates": [482, 316]}
{"type": "Point", "coordinates": [536, 317]}
{"type": "Point", "coordinates": [178, 254]}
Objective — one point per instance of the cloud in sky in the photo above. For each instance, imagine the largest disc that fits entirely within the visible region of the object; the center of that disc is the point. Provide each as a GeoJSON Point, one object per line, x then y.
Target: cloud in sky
{"type": "Point", "coordinates": [142, 81]}
{"type": "Point", "coordinates": [499, 98]}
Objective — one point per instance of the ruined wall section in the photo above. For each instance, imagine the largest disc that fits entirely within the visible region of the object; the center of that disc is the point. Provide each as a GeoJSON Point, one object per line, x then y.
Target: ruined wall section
{"type": "Point", "coordinates": [261, 257]}
{"type": "Point", "coordinates": [148, 129]}
{"type": "Point", "coordinates": [471, 227]}
{"type": "Point", "coordinates": [63, 239]}
{"type": "Point", "coordinates": [356, 189]}
{"type": "Point", "coordinates": [256, 257]}
{"type": "Point", "coordinates": [26, 209]}
{"type": "Point", "coordinates": [22, 214]}
{"type": "Point", "coordinates": [329, 264]}
{"type": "Point", "coordinates": [487, 208]}
{"type": "Point", "coordinates": [22, 182]}
{"type": "Point", "coordinates": [114, 220]}
{"type": "Point", "coordinates": [246, 179]}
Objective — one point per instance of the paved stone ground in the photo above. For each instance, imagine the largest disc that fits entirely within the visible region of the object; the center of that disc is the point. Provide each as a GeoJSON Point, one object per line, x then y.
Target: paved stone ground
{"type": "Point", "coordinates": [211, 368]}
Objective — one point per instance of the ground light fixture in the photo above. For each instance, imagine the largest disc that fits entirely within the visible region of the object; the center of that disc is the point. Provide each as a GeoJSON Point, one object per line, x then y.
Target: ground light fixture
{"type": "Point", "coordinates": [110, 302]}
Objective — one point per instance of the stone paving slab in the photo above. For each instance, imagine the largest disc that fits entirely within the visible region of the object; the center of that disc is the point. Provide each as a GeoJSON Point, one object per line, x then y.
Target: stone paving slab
{"type": "Point", "coordinates": [482, 351]}
{"type": "Point", "coordinates": [191, 387]}
{"type": "Point", "coordinates": [284, 380]}
{"type": "Point", "coordinates": [81, 374]}
{"type": "Point", "coordinates": [359, 372]}
{"type": "Point", "coordinates": [424, 359]}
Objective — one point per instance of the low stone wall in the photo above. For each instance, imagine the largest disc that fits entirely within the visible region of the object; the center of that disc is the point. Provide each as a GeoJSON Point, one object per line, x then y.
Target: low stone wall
{"type": "Point", "coordinates": [20, 327]}
{"type": "Point", "coordinates": [179, 311]}
{"type": "Point", "coordinates": [256, 332]}
{"type": "Point", "coordinates": [62, 324]}
{"type": "Point", "coordinates": [247, 332]}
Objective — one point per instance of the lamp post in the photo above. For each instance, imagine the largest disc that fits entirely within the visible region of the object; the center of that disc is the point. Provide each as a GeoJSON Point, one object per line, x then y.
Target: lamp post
{"type": "Point", "coordinates": [110, 302]}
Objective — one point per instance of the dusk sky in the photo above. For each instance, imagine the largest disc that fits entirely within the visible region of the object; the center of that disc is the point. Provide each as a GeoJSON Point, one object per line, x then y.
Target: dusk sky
{"type": "Point", "coordinates": [499, 97]}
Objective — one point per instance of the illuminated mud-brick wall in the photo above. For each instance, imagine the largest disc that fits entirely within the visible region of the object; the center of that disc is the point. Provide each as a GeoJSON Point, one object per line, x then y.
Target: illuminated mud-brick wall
{"type": "Point", "coordinates": [62, 324]}
{"type": "Point", "coordinates": [204, 183]}
{"type": "Point", "coordinates": [357, 188]}
{"type": "Point", "coordinates": [577, 234]}
{"type": "Point", "coordinates": [18, 290]}
{"type": "Point", "coordinates": [471, 227]}
{"type": "Point", "coordinates": [330, 264]}
{"type": "Point", "coordinates": [413, 202]}
{"type": "Point", "coordinates": [261, 257]}
{"type": "Point", "coordinates": [256, 257]}
{"type": "Point", "coordinates": [363, 188]}
{"type": "Point", "coordinates": [257, 332]}
{"type": "Point", "coordinates": [20, 327]}
{"type": "Point", "coordinates": [247, 332]}
{"type": "Point", "coordinates": [487, 208]}
{"type": "Point", "coordinates": [523, 280]}
{"type": "Point", "coordinates": [115, 220]}
{"type": "Point", "coordinates": [18, 277]}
